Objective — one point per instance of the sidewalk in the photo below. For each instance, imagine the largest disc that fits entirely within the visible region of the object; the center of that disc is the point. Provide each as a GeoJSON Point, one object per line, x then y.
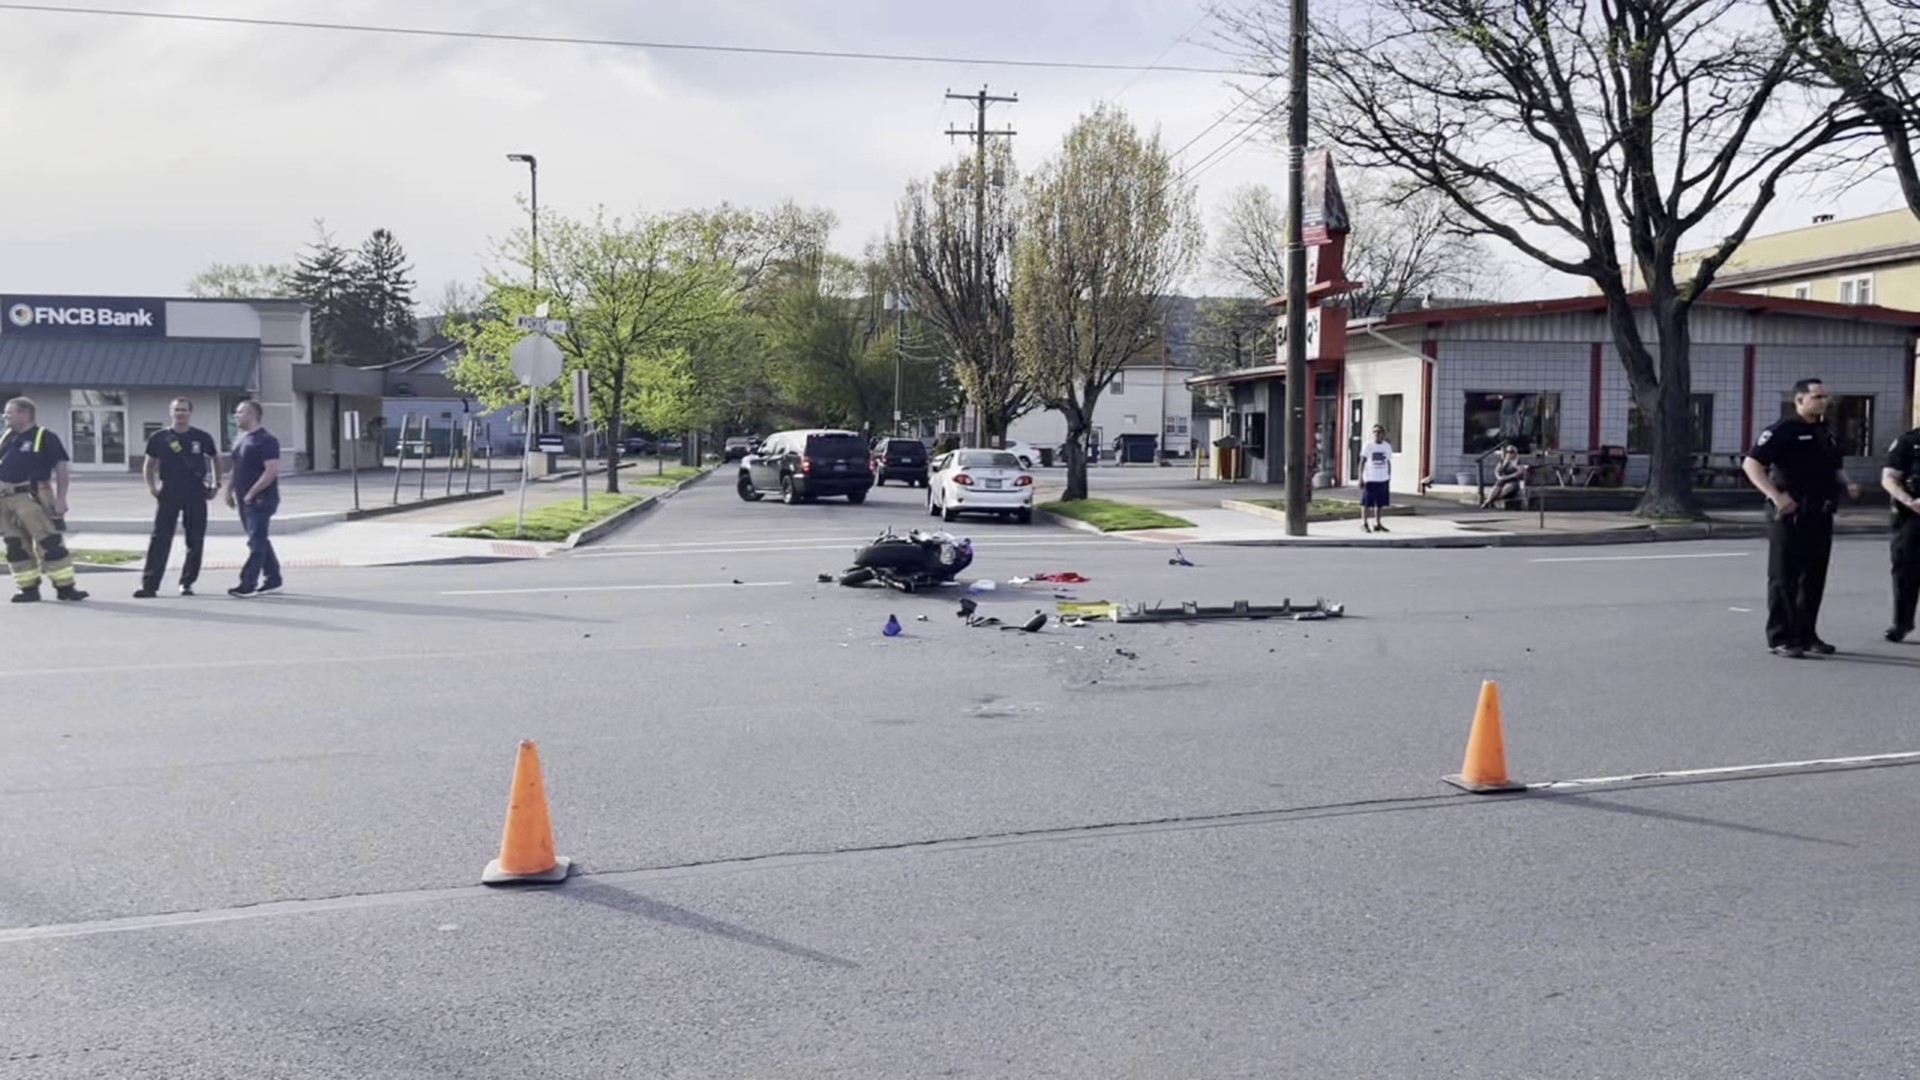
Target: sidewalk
{"type": "Point", "coordinates": [403, 538]}
{"type": "Point", "coordinates": [1434, 524]}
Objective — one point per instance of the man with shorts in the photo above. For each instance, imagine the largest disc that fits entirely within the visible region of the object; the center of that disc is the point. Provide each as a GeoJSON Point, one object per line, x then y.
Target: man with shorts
{"type": "Point", "coordinates": [1376, 475]}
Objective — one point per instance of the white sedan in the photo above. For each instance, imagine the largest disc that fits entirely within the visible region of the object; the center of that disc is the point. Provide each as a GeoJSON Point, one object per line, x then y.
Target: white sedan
{"type": "Point", "coordinates": [979, 482]}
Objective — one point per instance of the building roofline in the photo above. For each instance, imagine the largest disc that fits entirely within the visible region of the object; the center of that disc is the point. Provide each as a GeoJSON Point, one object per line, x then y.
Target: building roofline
{"type": "Point", "coordinates": [268, 301]}
{"type": "Point", "coordinates": [1811, 226]}
{"type": "Point", "coordinates": [1823, 264]}
{"type": "Point", "coordinates": [1714, 298]}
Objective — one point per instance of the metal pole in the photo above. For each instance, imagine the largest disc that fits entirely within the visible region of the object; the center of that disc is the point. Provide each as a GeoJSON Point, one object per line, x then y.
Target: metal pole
{"type": "Point", "coordinates": [487, 477]}
{"type": "Point", "coordinates": [353, 466]}
{"type": "Point", "coordinates": [1296, 431]}
{"type": "Point", "coordinates": [526, 466]}
{"type": "Point", "coordinates": [426, 452]}
{"type": "Point", "coordinates": [400, 459]}
{"type": "Point", "coordinates": [583, 463]}
{"type": "Point", "coordinates": [453, 436]}
{"type": "Point", "coordinates": [473, 426]}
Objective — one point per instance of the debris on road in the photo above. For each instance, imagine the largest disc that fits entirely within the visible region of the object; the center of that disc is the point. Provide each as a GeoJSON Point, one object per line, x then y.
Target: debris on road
{"type": "Point", "coordinates": [892, 629]}
{"type": "Point", "coordinates": [1179, 559]}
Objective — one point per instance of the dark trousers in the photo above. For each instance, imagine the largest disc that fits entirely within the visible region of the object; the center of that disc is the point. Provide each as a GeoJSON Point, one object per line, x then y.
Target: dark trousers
{"type": "Point", "coordinates": [1798, 550]}
{"type": "Point", "coordinates": [1906, 572]}
{"type": "Point", "coordinates": [263, 566]}
{"type": "Point", "coordinates": [175, 507]}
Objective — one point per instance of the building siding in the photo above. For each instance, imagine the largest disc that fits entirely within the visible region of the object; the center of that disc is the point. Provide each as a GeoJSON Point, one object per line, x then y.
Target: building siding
{"type": "Point", "coordinates": [1372, 373]}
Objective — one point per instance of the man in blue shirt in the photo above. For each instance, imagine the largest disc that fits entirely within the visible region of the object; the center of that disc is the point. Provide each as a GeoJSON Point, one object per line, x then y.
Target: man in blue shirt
{"type": "Point", "coordinates": [255, 492]}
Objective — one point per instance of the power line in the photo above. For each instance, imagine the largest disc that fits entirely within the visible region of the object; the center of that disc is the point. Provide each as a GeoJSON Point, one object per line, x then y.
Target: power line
{"type": "Point", "coordinates": [611, 43]}
{"type": "Point", "coordinates": [1153, 65]}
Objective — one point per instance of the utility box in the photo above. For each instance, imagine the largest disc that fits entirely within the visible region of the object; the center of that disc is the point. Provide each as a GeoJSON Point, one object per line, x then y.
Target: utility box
{"type": "Point", "coordinates": [1226, 457]}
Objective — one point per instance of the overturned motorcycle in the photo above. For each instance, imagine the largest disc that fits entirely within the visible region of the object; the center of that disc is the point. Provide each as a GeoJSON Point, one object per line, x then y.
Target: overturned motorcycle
{"type": "Point", "coordinates": [909, 563]}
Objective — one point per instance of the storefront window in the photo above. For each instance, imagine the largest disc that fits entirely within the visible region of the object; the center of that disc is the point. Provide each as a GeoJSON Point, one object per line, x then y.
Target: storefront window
{"type": "Point", "coordinates": [1387, 415]}
{"type": "Point", "coordinates": [1530, 421]}
{"type": "Point", "coordinates": [1255, 439]}
{"type": "Point", "coordinates": [1640, 440]}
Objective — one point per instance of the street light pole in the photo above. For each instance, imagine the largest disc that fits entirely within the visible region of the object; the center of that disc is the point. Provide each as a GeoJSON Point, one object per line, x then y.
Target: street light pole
{"type": "Point", "coordinates": [1296, 433]}
{"type": "Point", "coordinates": [533, 177]}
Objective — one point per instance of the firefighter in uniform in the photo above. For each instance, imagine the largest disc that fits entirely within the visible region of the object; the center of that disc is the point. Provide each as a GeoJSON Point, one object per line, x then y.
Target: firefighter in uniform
{"type": "Point", "coordinates": [1901, 478]}
{"type": "Point", "coordinates": [1797, 465]}
{"type": "Point", "coordinates": [34, 474]}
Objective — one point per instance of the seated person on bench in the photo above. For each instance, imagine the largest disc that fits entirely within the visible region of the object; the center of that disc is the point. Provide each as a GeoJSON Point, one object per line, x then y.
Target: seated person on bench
{"type": "Point", "coordinates": [1509, 478]}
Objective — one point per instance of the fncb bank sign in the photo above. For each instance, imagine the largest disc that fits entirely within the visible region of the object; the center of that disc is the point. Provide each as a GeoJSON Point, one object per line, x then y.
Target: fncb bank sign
{"type": "Point", "coordinates": [83, 316]}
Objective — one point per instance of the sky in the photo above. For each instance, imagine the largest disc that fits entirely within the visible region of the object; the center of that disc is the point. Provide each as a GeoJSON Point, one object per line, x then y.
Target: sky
{"type": "Point", "coordinates": [141, 151]}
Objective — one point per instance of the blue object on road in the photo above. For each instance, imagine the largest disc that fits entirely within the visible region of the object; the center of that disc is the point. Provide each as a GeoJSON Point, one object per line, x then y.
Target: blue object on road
{"type": "Point", "coordinates": [892, 628]}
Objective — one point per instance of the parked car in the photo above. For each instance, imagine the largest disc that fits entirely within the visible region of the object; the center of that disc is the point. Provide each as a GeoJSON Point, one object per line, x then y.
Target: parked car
{"type": "Point", "coordinates": [739, 446]}
{"type": "Point", "coordinates": [899, 459]}
{"type": "Point", "coordinates": [807, 465]}
{"type": "Point", "coordinates": [636, 446]}
{"type": "Point", "coordinates": [980, 482]}
{"type": "Point", "coordinates": [1028, 456]}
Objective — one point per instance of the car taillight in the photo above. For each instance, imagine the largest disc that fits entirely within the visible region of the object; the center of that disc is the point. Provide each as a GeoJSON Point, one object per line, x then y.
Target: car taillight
{"type": "Point", "coordinates": [806, 464]}
{"type": "Point", "coordinates": [963, 479]}
{"type": "Point", "coordinates": [1024, 481]}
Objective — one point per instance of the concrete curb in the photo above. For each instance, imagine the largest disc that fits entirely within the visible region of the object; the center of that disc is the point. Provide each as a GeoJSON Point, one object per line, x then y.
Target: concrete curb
{"type": "Point", "coordinates": [1642, 534]}
{"type": "Point", "coordinates": [619, 517]}
{"type": "Point", "coordinates": [423, 504]}
{"type": "Point", "coordinates": [1271, 514]}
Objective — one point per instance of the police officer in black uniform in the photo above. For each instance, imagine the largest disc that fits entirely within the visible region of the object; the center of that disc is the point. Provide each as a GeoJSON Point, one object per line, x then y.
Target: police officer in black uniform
{"type": "Point", "coordinates": [176, 473]}
{"type": "Point", "coordinates": [1901, 478]}
{"type": "Point", "coordinates": [1797, 465]}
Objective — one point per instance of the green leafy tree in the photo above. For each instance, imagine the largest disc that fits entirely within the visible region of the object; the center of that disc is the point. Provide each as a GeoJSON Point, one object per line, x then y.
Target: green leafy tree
{"type": "Point", "coordinates": [242, 281]}
{"type": "Point", "coordinates": [951, 253]}
{"type": "Point", "coordinates": [1107, 231]}
{"type": "Point", "coordinates": [635, 294]}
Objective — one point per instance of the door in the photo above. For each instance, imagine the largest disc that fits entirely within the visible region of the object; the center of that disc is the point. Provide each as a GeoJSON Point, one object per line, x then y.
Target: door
{"type": "Point", "coordinates": [1356, 419]}
{"type": "Point", "coordinates": [97, 430]}
{"type": "Point", "coordinates": [765, 465]}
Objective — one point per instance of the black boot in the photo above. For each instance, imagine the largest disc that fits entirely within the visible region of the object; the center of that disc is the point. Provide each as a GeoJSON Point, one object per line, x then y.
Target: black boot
{"type": "Point", "coordinates": [28, 595]}
{"type": "Point", "coordinates": [68, 592]}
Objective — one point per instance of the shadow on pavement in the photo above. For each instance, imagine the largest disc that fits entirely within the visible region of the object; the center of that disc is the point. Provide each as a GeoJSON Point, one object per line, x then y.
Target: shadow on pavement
{"type": "Point", "coordinates": [614, 898]}
{"type": "Point", "coordinates": [1589, 802]}
{"type": "Point", "coordinates": [443, 611]}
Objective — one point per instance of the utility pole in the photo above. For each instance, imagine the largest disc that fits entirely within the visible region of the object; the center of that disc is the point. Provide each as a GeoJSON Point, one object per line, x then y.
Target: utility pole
{"type": "Point", "coordinates": [1296, 433]}
{"type": "Point", "coordinates": [979, 135]}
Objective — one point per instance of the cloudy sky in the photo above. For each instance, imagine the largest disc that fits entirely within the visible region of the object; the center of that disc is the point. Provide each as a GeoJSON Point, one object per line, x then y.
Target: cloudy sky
{"type": "Point", "coordinates": [140, 151]}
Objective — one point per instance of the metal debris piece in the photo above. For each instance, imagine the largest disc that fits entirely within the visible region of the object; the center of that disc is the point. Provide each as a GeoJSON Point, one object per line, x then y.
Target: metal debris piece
{"type": "Point", "coordinates": [1190, 611]}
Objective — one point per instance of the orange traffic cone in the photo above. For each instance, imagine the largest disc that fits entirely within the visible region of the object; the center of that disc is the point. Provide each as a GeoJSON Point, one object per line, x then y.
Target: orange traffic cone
{"type": "Point", "coordinates": [1485, 770]}
{"type": "Point", "coordinates": [526, 847]}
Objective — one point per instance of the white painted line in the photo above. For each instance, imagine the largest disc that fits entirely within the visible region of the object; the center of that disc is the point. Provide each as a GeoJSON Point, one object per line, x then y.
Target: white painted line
{"type": "Point", "coordinates": [1648, 558]}
{"type": "Point", "coordinates": [1742, 610]}
{"type": "Point", "coordinates": [1863, 762]}
{"type": "Point", "coordinates": [666, 546]}
{"type": "Point", "coordinates": [274, 662]}
{"type": "Point", "coordinates": [618, 588]}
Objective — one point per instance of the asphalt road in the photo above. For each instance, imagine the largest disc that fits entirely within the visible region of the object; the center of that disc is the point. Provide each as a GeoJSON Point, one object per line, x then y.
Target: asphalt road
{"type": "Point", "coordinates": [243, 838]}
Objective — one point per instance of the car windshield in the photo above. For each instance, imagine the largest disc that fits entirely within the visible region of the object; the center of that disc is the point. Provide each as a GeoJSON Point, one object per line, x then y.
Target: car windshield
{"type": "Point", "coordinates": [836, 446]}
{"type": "Point", "coordinates": [988, 459]}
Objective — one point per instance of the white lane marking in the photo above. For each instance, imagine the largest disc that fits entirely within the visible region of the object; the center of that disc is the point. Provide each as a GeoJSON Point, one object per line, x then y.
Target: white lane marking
{"type": "Point", "coordinates": [1861, 762]}
{"type": "Point", "coordinates": [757, 543]}
{"type": "Point", "coordinates": [617, 588]}
{"type": "Point", "coordinates": [1648, 558]}
{"type": "Point", "coordinates": [1742, 610]}
{"type": "Point", "coordinates": [992, 545]}
{"type": "Point", "coordinates": [320, 661]}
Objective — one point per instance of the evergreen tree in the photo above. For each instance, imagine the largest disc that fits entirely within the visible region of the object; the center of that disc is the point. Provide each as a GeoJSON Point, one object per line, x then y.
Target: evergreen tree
{"type": "Point", "coordinates": [383, 325]}
{"type": "Point", "coordinates": [324, 279]}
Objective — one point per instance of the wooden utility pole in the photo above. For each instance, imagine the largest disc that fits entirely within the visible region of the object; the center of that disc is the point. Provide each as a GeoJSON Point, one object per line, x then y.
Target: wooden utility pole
{"type": "Point", "coordinates": [1296, 348]}
{"type": "Point", "coordinates": [979, 134]}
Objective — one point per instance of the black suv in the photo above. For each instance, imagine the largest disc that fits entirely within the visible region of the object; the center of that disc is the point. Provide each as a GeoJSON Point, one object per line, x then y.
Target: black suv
{"type": "Point", "coordinates": [900, 459]}
{"type": "Point", "coordinates": [807, 465]}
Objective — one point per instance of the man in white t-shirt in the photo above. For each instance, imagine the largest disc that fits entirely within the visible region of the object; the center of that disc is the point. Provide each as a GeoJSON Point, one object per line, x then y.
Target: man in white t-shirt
{"type": "Point", "coordinates": [1376, 474]}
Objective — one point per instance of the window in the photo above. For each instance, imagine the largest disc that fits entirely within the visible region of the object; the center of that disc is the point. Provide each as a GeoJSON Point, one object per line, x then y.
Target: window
{"type": "Point", "coordinates": [1640, 440]}
{"type": "Point", "coordinates": [1255, 440]}
{"type": "Point", "coordinates": [1387, 415]}
{"type": "Point", "coordinates": [1529, 421]}
{"type": "Point", "coordinates": [1857, 290]}
{"type": "Point", "coordinates": [1176, 425]}
{"type": "Point", "coordinates": [1803, 291]}
{"type": "Point", "coordinates": [1119, 383]}
{"type": "Point", "coordinates": [1851, 418]}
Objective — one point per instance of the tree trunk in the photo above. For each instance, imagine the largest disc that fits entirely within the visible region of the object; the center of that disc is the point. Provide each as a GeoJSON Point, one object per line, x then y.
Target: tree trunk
{"type": "Point", "coordinates": [616, 408]}
{"type": "Point", "coordinates": [1669, 491]}
{"type": "Point", "coordinates": [1076, 457]}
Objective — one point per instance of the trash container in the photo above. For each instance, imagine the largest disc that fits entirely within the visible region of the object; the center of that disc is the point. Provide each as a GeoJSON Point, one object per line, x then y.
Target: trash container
{"type": "Point", "coordinates": [1226, 458]}
{"type": "Point", "coordinates": [1046, 457]}
{"type": "Point", "coordinates": [1134, 449]}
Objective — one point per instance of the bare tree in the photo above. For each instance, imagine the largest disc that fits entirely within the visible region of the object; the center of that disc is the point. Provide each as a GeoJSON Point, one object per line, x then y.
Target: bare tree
{"type": "Point", "coordinates": [1108, 230]}
{"type": "Point", "coordinates": [1558, 125]}
{"type": "Point", "coordinates": [1868, 51]}
{"type": "Point", "coordinates": [1401, 249]}
{"type": "Point", "coordinates": [959, 279]}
